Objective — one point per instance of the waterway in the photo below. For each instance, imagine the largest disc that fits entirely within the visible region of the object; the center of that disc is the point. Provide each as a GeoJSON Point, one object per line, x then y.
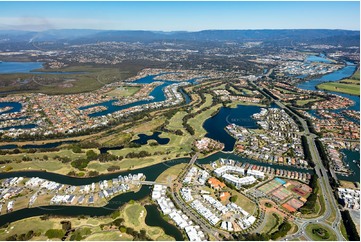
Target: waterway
{"type": "Point", "coordinates": [143, 139]}
{"type": "Point", "coordinates": [351, 158]}
{"type": "Point", "coordinates": [157, 93]}
{"type": "Point", "coordinates": [154, 218]}
{"type": "Point", "coordinates": [15, 107]}
{"type": "Point", "coordinates": [314, 58]}
{"type": "Point", "coordinates": [241, 115]}
{"type": "Point", "coordinates": [345, 72]}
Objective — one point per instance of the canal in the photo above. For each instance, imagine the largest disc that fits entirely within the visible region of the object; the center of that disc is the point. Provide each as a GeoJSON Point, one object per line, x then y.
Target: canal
{"type": "Point", "coordinates": [347, 71]}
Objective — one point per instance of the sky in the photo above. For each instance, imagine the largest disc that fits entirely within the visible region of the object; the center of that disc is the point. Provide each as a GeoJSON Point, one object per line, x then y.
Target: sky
{"type": "Point", "coordinates": [176, 16]}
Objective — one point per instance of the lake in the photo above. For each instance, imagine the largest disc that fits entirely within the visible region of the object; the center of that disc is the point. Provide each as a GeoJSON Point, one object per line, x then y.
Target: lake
{"type": "Point", "coordinates": [240, 116]}
{"type": "Point", "coordinates": [29, 67]}
{"type": "Point", "coordinates": [19, 67]}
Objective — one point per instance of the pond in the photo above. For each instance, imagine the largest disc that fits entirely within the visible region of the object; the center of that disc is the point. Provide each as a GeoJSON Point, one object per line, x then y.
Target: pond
{"type": "Point", "coordinates": [143, 139]}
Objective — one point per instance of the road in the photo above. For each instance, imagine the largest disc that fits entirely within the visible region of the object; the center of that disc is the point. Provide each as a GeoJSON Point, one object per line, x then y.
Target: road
{"type": "Point", "coordinates": [320, 170]}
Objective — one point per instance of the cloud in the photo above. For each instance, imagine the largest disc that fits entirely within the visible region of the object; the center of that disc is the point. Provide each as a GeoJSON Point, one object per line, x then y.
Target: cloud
{"type": "Point", "coordinates": [41, 24]}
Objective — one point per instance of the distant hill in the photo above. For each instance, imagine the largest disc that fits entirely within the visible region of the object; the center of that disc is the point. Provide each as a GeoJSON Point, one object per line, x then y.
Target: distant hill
{"type": "Point", "coordinates": [325, 36]}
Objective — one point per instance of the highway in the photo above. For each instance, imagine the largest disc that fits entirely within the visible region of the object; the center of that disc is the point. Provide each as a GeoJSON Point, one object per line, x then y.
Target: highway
{"type": "Point", "coordinates": [330, 201]}
{"type": "Point", "coordinates": [320, 170]}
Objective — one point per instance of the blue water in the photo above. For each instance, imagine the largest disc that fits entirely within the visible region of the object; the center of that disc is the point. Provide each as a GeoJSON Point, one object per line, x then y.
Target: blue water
{"type": "Point", "coordinates": [240, 116]}
{"type": "Point", "coordinates": [157, 93]}
{"type": "Point", "coordinates": [334, 76]}
{"type": "Point", "coordinates": [349, 157]}
{"type": "Point", "coordinates": [345, 72]}
{"type": "Point", "coordinates": [143, 139]}
{"type": "Point", "coordinates": [28, 67]}
{"type": "Point", "coordinates": [26, 126]}
{"type": "Point", "coordinates": [16, 107]}
{"type": "Point", "coordinates": [19, 67]}
{"type": "Point", "coordinates": [8, 147]}
{"type": "Point", "coordinates": [313, 58]}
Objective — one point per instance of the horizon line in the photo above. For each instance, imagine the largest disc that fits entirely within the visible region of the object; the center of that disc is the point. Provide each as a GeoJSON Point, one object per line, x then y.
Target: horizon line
{"type": "Point", "coordinates": [12, 29]}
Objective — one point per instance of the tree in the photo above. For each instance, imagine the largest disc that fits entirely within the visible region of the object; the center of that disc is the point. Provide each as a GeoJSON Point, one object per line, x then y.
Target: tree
{"type": "Point", "coordinates": [55, 233]}
{"type": "Point", "coordinates": [91, 155]}
{"type": "Point", "coordinates": [234, 198]}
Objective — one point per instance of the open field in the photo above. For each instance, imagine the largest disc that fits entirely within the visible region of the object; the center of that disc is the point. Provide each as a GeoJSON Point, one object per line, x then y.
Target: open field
{"type": "Point", "coordinates": [271, 223]}
{"type": "Point", "coordinates": [171, 173]}
{"type": "Point", "coordinates": [310, 231]}
{"type": "Point", "coordinates": [91, 79]}
{"type": "Point", "coordinates": [123, 92]}
{"type": "Point", "coordinates": [352, 89]}
{"type": "Point", "coordinates": [234, 104]}
{"type": "Point", "coordinates": [244, 202]}
{"type": "Point", "coordinates": [175, 122]}
{"type": "Point", "coordinates": [304, 102]}
{"type": "Point", "coordinates": [347, 184]}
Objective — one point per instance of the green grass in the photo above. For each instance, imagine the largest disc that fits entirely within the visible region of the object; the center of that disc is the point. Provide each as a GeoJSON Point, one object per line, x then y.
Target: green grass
{"type": "Point", "coordinates": [24, 225]}
{"type": "Point", "coordinates": [92, 79]}
{"type": "Point", "coordinates": [352, 89]}
{"type": "Point", "coordinates": [207, 103]}
{"type": "Point", "coordinates": [244, 202]}
{"type": "Point", "coordinates": [123, 91]}
{"type": "Point", "coordinates": [133, 213]}
{"type": "Point", "coordinates": [304, 102]}
{"type": "Point", "coordinates": [309, 228]}
{"type": "Point", "coordinates": [175, 122]}
{"type": "Point", "coordinates": [271, 223]}
{"type": "Point", "coordinates": [171, 172]}
{"type": "Point", "coordinates": [109, 236]}
{"type": "Point", "coordinates": [343, 230]}
{"type": "Point", "coordinates": [197, 121]}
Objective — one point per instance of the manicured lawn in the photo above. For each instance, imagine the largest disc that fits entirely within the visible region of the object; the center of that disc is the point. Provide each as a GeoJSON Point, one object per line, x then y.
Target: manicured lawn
{"type": "Point", "coordinates": [207, 103]}
{"type": "Point", "coordinates": [134, 214]}
{"type": "Point", "coordinates": [24, 225]}
{"type": "Point", "coordinates": [175, 122]}
{"type": "Point", "coordinates": [352, 89]}
{"type": "Point", "coordinates": [109, 236]}
{"type": "Point", "coordinates": [329, 234]}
